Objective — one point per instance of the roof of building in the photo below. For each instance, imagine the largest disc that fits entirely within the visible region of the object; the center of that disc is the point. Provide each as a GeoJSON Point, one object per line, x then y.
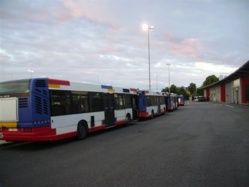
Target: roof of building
{"type": "Point", "coordinates": [243, 70]}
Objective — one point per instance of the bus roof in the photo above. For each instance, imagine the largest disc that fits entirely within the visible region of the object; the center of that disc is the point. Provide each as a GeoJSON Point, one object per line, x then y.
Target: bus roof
{"type": "Point", "coordinates": [57, 84]}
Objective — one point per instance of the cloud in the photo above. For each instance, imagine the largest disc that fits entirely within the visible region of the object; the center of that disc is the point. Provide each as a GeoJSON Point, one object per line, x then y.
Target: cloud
{"type": "Point", "coordinates": [102, 41]}
{"type": "Point", "coordinates": [190, 48]}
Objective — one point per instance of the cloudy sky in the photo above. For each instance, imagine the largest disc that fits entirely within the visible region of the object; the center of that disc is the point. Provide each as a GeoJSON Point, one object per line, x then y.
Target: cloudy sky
{"type": "Point", "coordinates": [102, 41]}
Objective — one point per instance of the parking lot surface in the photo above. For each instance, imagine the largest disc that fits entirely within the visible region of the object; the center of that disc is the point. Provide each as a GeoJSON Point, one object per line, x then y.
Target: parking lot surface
{"type": "Point", "coordinates": [200, 144]}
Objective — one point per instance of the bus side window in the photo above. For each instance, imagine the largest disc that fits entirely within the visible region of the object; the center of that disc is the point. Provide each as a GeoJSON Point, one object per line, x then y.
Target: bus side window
{"type": "Point", "coordinates": [56, 110]}
{"type": "Point", "coordinates": [84, 103]}
{"type": "Point", "coordinates": [80, 103]}
{"type": "Point", "coordinates": [60, 102]}
{"type": "Point", "coordinates": [148, 101]}
{"type": "Point", "coordinates": [96, 102]}
{"type": "Point", "coordinates": [119, 104]}
{"type": "Point", "coordinates": [127, 101]}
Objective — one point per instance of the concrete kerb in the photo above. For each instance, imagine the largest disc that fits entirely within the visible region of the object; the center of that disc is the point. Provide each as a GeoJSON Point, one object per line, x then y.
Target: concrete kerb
{"type": "Point", "coordinates": [2, 142]}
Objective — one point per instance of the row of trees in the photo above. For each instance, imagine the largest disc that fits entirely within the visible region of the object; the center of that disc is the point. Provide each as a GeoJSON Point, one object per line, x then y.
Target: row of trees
{"type": "Point", "coordinates": [191, 89]}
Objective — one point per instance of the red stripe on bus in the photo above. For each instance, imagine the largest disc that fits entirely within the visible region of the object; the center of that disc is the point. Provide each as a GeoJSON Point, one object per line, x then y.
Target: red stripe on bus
{"type": "Point", "coordinates": [60, 82]}
{"type": "Point", "coordinates": [133, 89]}
{"type": "Point", "coordinates": [144, 115]}
{"type": "Point", "coordinates": [121, 122]}
{"type": "Point", "coordinates": [93, 129]}
{"type": "Point", "coordinates": [29, 134]}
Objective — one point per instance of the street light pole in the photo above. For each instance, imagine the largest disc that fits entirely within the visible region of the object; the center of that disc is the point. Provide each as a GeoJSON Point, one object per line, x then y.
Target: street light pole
{"type": "Point", "coordinates": [31, 72]}
{"type": "Point", "coordinates": [156, 83]}
{"type": "Point", "coordinates": [147, 27]}
{"type": "Point", "coordinates": [169, 75]}
{"type": "Point", "coordinates": [149, 56]}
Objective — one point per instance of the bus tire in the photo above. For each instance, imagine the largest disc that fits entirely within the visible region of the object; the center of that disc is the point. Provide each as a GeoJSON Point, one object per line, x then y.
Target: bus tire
{"type": "Point", "coordinates": [81, 130]}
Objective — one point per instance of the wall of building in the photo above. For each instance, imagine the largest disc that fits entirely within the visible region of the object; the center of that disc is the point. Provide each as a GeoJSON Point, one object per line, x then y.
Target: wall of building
{"type": "Point", "coordinates": [233, 92]}
{"type": "Point", "coordinates": [215, 93]}
{"type": "Point", "coordinates": [207, 93]}
{"type": "Point", "coordinates": [223, 93]}
{"type": "Point", "coordinates": [229, 92]}
{"type": "Point", "coordinates": [236, 92]}
{"type": "Point", "coordinates": [245, 89]}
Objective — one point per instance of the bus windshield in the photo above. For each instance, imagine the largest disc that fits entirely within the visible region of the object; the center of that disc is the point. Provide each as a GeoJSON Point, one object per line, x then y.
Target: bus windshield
{"type": "Point", "coordinates": [17, 86]}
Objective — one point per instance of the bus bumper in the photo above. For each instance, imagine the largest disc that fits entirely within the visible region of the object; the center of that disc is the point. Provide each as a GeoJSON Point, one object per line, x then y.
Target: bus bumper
{"type": "Point", "coordinates": [32, 134]}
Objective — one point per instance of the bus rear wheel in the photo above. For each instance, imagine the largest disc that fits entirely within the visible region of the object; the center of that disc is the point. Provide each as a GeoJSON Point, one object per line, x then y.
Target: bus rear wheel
{"type": "Point", "coordinates": [81, 131]}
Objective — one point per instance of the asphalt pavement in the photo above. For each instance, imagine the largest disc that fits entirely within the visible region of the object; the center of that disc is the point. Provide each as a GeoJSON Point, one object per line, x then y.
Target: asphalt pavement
{"type": "Point", "coordinates": [200, 144]}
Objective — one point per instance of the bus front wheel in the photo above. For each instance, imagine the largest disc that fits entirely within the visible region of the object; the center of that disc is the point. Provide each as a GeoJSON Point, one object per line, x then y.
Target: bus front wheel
{"type": "Point", "coordinates": [81, 131]}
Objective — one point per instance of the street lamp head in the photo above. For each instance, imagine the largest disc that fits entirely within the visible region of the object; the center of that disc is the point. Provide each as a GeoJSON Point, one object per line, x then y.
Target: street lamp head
{"type": "Point", "coordinates": [31, 72]}
{"type": "Point", "coordinates": [147, 27]}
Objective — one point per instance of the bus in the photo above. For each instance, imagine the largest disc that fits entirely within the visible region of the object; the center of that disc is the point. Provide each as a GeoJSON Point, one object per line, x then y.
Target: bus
{"type": "Point", "coordinates": [171, 101]}
{"type": "Point", "coordinates": [181, 101]}
{"type": "Point", "coordinates": [44, 109]}
{"type": "Point", "coordinates": [150, 104]}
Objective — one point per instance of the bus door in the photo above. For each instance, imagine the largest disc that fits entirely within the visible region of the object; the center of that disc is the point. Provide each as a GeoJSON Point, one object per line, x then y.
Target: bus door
{"type": "Point", "coordinates": [158, 105]}
{"type": "Point", "coordinates": [135, 107]}
{"type": "Point", "coordinates": [109, 109]}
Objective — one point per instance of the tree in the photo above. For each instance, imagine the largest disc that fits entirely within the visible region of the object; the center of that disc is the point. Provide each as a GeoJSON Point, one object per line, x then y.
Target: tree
{"type": "Point", "coordinates": [200, 91]}
{"type": "Point", "coordinates": [192, 88]}
{"type": "Point", "coordinates": [178, 90]}
{"type": "Point", "coordinates": [182, 91]}
{"type": "Point", "coordinates": [166, 89]}
{"type": "Point", "coordinates": [210, 80]}
{"type": "Point", "coordinates": [173, 89]}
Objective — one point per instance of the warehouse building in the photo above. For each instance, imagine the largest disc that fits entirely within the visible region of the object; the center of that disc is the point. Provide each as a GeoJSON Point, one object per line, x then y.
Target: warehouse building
{"type": "Point", "coordinates": [232, 89]}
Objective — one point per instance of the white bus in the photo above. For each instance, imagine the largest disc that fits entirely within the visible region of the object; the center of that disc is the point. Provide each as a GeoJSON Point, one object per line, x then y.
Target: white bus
{"type": "Point", "coordinates": [151, 104]}
{"type": "Point", "coordinates": [44, 109]}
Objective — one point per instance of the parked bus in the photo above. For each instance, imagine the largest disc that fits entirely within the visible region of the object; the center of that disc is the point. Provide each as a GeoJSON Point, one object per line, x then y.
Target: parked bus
{"type": "Point", "coordinates": [181, 101]}
{"type": "Point", "coordinates": [44, 109]}
{"type": "Point", "coordinates": [151, 104]}
{"type": "Point", "coordinates": [171, 101]}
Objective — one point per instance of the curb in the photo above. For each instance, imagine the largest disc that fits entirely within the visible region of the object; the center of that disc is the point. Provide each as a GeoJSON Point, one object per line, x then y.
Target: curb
{"type": "Point", "coordinates": [2, 142]}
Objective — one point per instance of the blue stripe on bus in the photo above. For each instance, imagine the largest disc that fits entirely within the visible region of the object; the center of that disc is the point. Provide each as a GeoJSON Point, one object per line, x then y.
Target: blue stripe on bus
{"type": "Point", "coordinates": [106, 86]}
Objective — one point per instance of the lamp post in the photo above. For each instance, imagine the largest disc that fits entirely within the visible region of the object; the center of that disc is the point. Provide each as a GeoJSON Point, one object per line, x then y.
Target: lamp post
{"type": "Point", "coordinates": [169, 75]}
{"type": "Point", "coordinates": [156, 83]}
{"type": "Point", "coordinates": [31, 72]}
{"type": "Point", "coordinates": [147, 27]}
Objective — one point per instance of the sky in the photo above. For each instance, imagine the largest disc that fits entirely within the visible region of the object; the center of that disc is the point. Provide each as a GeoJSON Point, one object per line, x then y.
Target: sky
{"type": "Point", "coordinates": [103, 42]}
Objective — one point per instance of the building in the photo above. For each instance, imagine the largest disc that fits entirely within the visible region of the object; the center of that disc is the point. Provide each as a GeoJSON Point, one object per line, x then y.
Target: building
{"type": "Point", "coordinates": [231, 89]}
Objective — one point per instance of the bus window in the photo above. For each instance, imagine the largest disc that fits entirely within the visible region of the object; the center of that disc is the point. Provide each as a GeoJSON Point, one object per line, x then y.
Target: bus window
{"type": "Point", "coordinates": [15, 88]}
{"type": "Point", "coordinates": [148, 101]}
{"type": "Point", "coordinates": [96, 102]}
{"type": "Point", "coordinates": [154, 100]}
{"type": "Point", "coordinates": [80, 102]}
{"type": "Point", "coordinates": [118, 101]}
{"type": "Point", "coordinates": [60, 102]}
{"type": "Point", "coordinates": [161, 100]}
{"type": "Point", "coordinates": [127, 101]}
